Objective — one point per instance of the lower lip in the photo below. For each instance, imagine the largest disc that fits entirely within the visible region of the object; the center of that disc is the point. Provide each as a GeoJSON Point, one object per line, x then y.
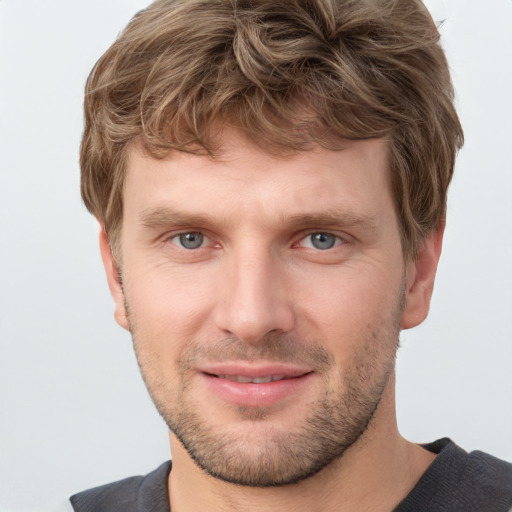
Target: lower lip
{"type": "Point", "coordinates": [256, 395]}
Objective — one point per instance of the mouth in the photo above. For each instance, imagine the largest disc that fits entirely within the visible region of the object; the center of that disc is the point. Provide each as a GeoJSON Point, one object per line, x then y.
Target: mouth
{"type": "Point", "coordinates": [251, 380]}
{"type": "Point", "coordinates": [255, 386]}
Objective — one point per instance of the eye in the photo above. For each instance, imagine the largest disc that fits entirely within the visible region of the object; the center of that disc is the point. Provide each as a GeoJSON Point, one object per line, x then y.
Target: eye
{"type": "Point", "coordinates": [192, 240]}
{"type": "Point", "coordinates": [321, 241]}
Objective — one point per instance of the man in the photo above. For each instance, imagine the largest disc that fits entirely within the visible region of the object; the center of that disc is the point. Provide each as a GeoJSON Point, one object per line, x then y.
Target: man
{"type": "Point", "coordinates": [271, 182]}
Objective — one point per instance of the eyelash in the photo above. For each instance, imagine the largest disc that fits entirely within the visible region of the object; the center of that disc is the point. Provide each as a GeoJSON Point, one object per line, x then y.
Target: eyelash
{"type": "Point", "coordinates": [178, 237]}
{"type": "Point", "coordinates": [337, 240]}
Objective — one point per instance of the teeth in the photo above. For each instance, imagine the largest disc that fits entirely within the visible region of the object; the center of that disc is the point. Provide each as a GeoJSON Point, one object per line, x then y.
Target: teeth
{"type": "Point", "coordinates": [252, 380]}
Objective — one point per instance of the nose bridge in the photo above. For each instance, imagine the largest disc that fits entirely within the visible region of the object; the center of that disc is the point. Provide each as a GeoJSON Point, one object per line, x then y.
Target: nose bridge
{"type": "Point", "coordinates": [253, 299]}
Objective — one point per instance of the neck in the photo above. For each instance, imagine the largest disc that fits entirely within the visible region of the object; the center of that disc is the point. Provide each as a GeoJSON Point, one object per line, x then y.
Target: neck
{"type": "Point", "coordinates": [374, 474]}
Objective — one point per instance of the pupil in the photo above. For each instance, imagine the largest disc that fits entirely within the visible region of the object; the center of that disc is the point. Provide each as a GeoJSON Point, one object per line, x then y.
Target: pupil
{"type": "Point", "coordinates": [191, 240]}
{"type": "Point", "coordinates": [323, 240]}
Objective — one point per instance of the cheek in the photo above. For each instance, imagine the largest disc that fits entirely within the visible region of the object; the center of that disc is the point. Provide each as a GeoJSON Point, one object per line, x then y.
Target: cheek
{"type": "Point", "coordinates": [169, 303]}
{"type": "Point", "coordinates": [165, 315]}
{"type": "Point", "coordinates": [349, 308]}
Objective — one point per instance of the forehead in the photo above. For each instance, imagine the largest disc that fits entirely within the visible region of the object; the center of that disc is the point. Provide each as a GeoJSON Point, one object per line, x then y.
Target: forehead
{"type": "Point", "coordinates": [244, 178]}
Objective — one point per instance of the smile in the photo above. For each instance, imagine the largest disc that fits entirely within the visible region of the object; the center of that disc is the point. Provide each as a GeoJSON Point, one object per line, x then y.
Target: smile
{"type": "Point", "coordinates": [252, 380]}
{"type": "Point", "coordinates": [250, 385]}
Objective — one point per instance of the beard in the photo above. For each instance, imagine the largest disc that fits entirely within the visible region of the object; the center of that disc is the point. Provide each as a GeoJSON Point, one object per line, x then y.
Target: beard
{"type": "Point", "coordinates": [257, 452]}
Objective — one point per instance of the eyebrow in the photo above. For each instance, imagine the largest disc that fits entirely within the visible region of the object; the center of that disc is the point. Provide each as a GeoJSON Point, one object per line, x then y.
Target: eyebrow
{"type": "Point", "coordinates": [335, 218]}
{"type": "Point", "coordinates": [167, 217]}
{"type": "Point", "coordinates": [163, 217]}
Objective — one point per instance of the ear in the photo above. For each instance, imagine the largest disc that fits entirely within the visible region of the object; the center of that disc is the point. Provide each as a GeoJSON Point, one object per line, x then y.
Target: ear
{"type": "Point", "coordinates": [114, 280]}
{"type": "Point", "coordinates": [420, 275]}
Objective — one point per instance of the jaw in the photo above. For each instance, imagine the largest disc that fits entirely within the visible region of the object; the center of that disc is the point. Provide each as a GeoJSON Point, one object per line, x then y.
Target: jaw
{"type": "Point", "coordinates": [395, 468]}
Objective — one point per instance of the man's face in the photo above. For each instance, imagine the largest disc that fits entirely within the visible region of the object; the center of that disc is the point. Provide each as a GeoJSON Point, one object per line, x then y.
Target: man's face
{"type": "Point", "coordinates": [265, 297]}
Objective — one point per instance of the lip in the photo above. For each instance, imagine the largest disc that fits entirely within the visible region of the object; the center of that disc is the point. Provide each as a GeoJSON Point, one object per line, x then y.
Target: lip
{"type": "Point", "coordinates": [219, 379]}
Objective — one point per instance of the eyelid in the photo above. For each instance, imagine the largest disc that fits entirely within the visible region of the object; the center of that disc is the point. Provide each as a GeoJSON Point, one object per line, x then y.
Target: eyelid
{"type": "Point", "coordinates": [194, 237]}
{"type": "Point", "coordinates": [341, 239]}
{"type": "Point", "coordinates": [174, 236]}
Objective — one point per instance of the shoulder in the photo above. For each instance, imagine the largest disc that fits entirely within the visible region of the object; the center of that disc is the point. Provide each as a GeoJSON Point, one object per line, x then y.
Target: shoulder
{"type": "Point", "coordinates": [489, 476]}
{"type": "Point", "coordinates": [135, 494]}
{"type": "Point", "coordinates": [460, 481]}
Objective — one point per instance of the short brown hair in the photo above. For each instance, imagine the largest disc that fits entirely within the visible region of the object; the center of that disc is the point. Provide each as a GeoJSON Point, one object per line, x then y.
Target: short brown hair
{"type": "Point", "coordinates": [289, 74]}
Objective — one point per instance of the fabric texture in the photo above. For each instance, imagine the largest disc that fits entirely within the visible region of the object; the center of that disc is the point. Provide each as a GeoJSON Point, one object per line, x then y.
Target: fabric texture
{"type": "Point", "coordinates": [460, 482]}
{"type": "Point", "coordinates": [136, 494]}
{"type": "Point", "coordinates": [456, 481]}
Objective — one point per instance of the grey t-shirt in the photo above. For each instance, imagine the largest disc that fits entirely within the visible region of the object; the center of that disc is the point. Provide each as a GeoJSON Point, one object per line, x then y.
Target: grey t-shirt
{"type": "Point", "coordinates": [456, 481]}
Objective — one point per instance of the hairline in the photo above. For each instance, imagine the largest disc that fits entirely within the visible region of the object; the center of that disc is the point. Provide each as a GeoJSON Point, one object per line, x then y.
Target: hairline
{"type": "Point", "coordinates": [114, 231]}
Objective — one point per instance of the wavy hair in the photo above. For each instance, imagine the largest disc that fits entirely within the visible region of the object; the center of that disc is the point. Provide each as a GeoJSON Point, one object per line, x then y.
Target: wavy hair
{"type": "Point", "coordinates": [289, 74]}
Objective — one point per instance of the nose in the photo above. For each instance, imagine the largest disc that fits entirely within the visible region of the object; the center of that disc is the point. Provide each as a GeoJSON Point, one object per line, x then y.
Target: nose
{"type": "Point", "coordinates": [253, 299]}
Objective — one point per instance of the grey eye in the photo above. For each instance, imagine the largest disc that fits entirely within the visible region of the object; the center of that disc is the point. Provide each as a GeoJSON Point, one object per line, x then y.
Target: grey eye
{"type": "Point", "coordinates": [191, 240]}
{"type": "Point", "coordinates": [322, 241]}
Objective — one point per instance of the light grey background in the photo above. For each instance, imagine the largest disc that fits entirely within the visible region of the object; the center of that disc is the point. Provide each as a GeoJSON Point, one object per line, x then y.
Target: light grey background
{"type": "Point", "coordinates": [74, 412]}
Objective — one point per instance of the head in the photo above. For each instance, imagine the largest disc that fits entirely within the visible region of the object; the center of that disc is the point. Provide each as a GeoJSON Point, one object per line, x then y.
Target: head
{"type": "Point", "coordinates": [271, 178]}
{"type": "Point", "coordinates": [288, 75]}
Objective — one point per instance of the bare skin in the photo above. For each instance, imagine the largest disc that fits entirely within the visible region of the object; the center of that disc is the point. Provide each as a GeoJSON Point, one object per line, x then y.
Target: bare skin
{"type": "Point", "coordinates": [350, 484]}
{"type": "Point", "coordinates": [252, 266]}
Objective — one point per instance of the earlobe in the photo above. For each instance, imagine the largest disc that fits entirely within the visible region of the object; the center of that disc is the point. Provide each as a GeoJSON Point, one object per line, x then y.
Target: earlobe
{"type": "Point", "coordinates": [420, 276]}
{"type": "Point", "coordinates": [113, 278]}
